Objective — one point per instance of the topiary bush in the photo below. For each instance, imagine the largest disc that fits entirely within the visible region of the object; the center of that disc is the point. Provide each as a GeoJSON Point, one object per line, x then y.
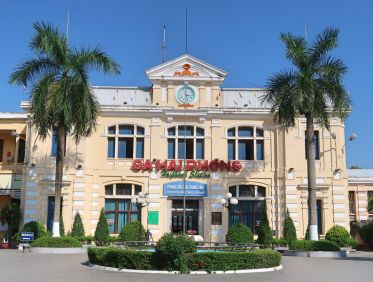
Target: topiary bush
{"type": "Point", "coordinates": [290, 233]}
{"type": "Point", "coordinates": [36, 227]}
{"type": "Point", "coordinates": [338, 235]}
{"type": "Point", "coordinates": [265, 235]}
{"type": "Point", "coordinates": [57, 242]}
{"type": "Point", "coordinates": [102, 229]}
{"type": "Point", "coordinates": [366, 234]}
{"type": "Point", "coordinates": [133, 231]}
{"type": "Point", "coordinates": [78, 227]}
{"type": "Point", "coordinates": [170, 251]}
{"type": "Point", "coordinates": [239, 233]}
{"type": "Point", "coordinates": [119, 258]}
{"type": "Point", "coordinates": [308, 245]}
{"type": "Point", "coordinates": [220, 261]}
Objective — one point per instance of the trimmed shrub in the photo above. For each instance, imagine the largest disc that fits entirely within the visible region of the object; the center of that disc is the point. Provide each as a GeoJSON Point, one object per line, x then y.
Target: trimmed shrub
{"type": "Point", "coordinates": [57, 242]}
{"type": "Point", "coordinates": [366, 234]}
{"type": "Point", "coordinates": [290, 233]}
{"type": "Point", "coordinates": [352, 243]}
{"type": "Point", "coordinates": [264, 231]}
{"type": "Point", "coordinates": [133, 231]}
{"type": "Point", "coordinates": [224, 261]}
{"type": "Point", "coordinates": [36, 227]}
{"type": "Point", "coordinates": [102, 229]}
{"type": "Point", "coordinates": [86, 239]}
{"type": "Point", "coordinates": [78, 227]}
{"type": "Point", "coordinates": [62, 226]}
{"type": "Point", "coordinates": [170, 250]}
{"type": "Point", "coordinates": [279, 242]}
{"type": "Point", "coordinates": [338, 235]}
{"type": "Point", "coordinates": [308, 245]}
{"type": "Point", "coordinates": [119, 258]}
{"type": "Point", "coordinates": [210, 261]}
{"type": "Point", "coordinates": [239, 233]}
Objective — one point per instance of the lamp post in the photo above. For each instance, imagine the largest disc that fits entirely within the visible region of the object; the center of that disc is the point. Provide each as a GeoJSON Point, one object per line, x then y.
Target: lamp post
{"type": "Point", "coordinates": [140, 201]}
{"type": "Point", "coordinates": [228, 200]}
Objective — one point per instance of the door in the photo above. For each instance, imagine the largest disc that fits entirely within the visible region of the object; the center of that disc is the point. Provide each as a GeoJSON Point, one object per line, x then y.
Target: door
{"type": "Point", "coordinates": [319, 216]}
{"type": "Point", "coordinates": [191, 214]}
{"type": "Point", "coordinates": [50, 215]}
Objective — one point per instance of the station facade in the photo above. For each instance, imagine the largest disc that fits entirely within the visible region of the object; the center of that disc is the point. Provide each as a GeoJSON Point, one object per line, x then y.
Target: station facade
{"type": "Point", "coordinates": [224, 137]}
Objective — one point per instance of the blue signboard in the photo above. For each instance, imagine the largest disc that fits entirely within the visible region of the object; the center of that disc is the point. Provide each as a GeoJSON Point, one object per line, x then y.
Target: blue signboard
{"type": "Point", "coordinates": [192, 189]}
{"type": "Point", "coordinates": [27, 236]}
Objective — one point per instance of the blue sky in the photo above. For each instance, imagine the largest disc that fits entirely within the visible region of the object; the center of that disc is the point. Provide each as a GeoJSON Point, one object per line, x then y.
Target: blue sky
{"type": "Point", "coordinates": [241, 37]}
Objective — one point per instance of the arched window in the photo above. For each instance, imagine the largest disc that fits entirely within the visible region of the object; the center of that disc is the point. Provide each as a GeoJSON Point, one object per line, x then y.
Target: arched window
{"type": "Point", "coordinates": [194, 145]}
{"type": "Point", "coordinates": [125, 141]}
{"type": "Point", "coordinates": [118, 207]}
{"type": "Point", "coordinates": [250, 205]}
{"type": "Point", "coordinates": [245, 143]}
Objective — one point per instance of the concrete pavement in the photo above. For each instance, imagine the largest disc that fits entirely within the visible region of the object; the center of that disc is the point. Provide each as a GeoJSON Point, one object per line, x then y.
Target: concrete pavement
{"type": "Point", "coordinates": [27, 267]}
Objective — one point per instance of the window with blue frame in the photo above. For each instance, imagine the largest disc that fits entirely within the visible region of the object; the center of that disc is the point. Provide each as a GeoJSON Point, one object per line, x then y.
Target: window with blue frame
{"type": "Point", "coordinates": [54, 144]}
{"type": "Point", "coordinates": [245, 143]}
{"type": "Point", "coordinates": [185, 142]}
{"type": "Point", "coordinates": [125, 141]}
{"type": "Point", "coordinates": [119, 210]}
{"type": "Point", "coordinates": [316, 143]}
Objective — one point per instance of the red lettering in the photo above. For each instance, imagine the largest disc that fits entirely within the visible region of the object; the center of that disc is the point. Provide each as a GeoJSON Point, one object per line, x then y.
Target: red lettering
{"type": "Point", "coordinates": [191, 165]}
{"type": "Point", "coordinates": [180, 166]}
{"type": "Point", "coordinates": [224, 165]}
{"type": "Point", "coordinates": [214, 165]}
{"type": "Point", "coordinates": [147, 165]}
{"type": "Point", "coordinates": [160, 165]}
{"type": "Point", "coordinates": [172, 165]}
{"type": "Point", "coordinates": [203, 166]}
{"type": "Point", "coordinates": [137, 165]}
{"type": "Point", "coordinates": [236, 165]}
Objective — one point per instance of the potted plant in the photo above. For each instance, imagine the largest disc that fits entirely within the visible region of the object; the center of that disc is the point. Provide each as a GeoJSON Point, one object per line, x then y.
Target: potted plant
{"type": "Point", "coordinates": [5, 243]}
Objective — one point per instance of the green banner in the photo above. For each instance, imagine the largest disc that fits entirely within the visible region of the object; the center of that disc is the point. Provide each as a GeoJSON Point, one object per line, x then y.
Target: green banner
{"type": "Point", "coordinates": [153, 217]}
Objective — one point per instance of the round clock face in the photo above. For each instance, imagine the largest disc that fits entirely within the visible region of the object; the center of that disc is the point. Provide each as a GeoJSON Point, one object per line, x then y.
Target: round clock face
{"type": "Point", "coordinates": [185, 95]}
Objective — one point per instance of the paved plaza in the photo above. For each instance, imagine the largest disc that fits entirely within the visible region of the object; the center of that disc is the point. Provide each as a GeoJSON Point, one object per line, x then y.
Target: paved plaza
{"type": "Point", "coordinates": [16, 266]}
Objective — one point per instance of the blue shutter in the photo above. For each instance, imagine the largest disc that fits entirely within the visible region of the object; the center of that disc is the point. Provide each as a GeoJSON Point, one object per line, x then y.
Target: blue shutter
{"type": "Point", "coordinates": [54, 144]}
{"type": "Point", "coordinates": [140, 148]}
{"type": "Point", "coordinates": [259, 150]}
{"type": "Point", "coordinates": [180, 147]}
{"type": "Point", "coordinates": [231, 150]}
{"type": "Point", "coordinates": [199, 149]}
{"type": "Point", "coordinates": [111, 147]}
{"type": "Point", "coordinates": [171, 149]}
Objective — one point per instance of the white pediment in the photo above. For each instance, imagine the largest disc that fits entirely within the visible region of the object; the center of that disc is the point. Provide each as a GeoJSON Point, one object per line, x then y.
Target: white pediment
{"type": "Point", "coordinates": [186, 68]}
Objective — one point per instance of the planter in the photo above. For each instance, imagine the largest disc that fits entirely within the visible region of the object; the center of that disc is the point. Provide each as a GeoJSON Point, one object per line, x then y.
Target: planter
{"type": "Point", "coordinates": [40, 250]}
{"type": "Point", "coordinates": [312, 254]}
{"type": "Point", "coordinates": [5, 245]}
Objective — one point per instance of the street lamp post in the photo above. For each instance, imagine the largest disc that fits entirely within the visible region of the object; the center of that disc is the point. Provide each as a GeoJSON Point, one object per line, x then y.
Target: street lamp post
{"type": "Point", "coordinates": [228, 200]}
{"type": "Point", "coordinates": [140, 201]}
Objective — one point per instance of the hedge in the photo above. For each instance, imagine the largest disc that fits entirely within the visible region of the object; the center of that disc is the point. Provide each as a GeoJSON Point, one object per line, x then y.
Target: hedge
{"type": "Point", "coordinates": [133, 231]}
{"type": "Point", "coordinates": [209, 261]}
{"type": "Point", "coordinates": [119, 258]}
{"type": "Point", "coordinates": [224, 261]}
{"type": "Point", "coordinates": [339, 235]}
{"type": "Point", "coordinates": [57, 242]}
{"type": "Point", "coordinates": [239, 233]}
{"type": "Point", "coordinates": [308, 245]}
{"type": "Point", "coordinates": [36, 227]}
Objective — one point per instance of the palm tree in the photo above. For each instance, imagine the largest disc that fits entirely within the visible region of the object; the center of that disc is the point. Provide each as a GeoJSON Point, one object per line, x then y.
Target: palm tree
{"type": "Point", "coordinates": [61, 98]}
{"type": "Point", "coordinates": [312, 90]}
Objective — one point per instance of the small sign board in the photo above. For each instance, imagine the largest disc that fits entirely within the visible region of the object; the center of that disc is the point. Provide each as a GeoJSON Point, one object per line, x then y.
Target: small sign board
{"type": "Point", "coordinates": [153, 217]}
{"type": "Point", "coordinates": [191, 189]}
{"type": "Point", "coordinates": [110, 221]}
{"type": "Point", "coordinates": [27, 236]}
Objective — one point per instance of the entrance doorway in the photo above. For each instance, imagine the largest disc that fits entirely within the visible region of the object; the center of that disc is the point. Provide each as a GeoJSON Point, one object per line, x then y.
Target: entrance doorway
{"type": "Point", "coordinates": [319, 216]}
{"type": "Point", "coordinates": [191, 213]}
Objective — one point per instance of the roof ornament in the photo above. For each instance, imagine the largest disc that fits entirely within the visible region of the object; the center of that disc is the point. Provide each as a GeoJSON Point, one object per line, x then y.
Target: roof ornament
{"type": "Point", "coordinates": [186, 71]}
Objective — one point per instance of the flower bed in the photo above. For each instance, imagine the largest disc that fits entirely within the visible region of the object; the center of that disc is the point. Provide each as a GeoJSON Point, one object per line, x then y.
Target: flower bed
{"type": "Point", "coordinates": [214, 261]}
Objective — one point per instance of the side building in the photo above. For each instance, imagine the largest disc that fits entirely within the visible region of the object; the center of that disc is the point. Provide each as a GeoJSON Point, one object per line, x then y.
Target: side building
{"type": "Point", "coordinates": [13, 127]}
{"type": "Point", "coordinates": [229, 142]}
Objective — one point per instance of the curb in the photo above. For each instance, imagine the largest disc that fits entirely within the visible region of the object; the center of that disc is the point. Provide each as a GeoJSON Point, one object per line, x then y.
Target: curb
{"type": "Point", "coordinates": [316, 254]}
{"type": "Point", "coordinates": [42, 250]}
{"type": "Point", "coordinates": [243, 271]}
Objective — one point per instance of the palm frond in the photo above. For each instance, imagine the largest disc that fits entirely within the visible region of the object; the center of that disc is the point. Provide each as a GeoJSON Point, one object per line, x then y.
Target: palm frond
{"type": "Point", "coordinates": [324, 43]}
{"type": "Point", "coordinates": [296, 49]}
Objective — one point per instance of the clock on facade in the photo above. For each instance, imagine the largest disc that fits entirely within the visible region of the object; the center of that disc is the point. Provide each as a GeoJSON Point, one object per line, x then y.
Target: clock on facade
{"type": "Point", "coordinates": [185, 95]}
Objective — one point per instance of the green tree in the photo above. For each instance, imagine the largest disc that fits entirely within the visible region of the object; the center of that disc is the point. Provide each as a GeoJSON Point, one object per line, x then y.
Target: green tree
{"type": "Point", "coordinates": [264, 231]}
{"type": "Point", "coordinates": [290, 233]}
{"type": "Point", "coordinates": [61, 98]}
{"type": "Point", "coordinates": [102, 229]}
{"type": "Point", "coordinates": [133, 231]}
{"type": "Point", "coordinates": [10, 215]}
{"type": "Point", "coordinates": [312, 90]}
{"type": "Point", "coordinates": [62, 227]}
{"type": "Point", "coordinates": [78, 227]}
{"type": "Point", "coordinates": [239, 233]}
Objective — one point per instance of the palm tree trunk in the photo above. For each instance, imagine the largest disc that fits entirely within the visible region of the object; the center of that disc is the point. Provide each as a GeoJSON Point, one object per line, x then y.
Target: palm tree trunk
{"type": "Point", "coordinates": [61, 145]}
{"type": "Point", "coordinates": [310, 147]}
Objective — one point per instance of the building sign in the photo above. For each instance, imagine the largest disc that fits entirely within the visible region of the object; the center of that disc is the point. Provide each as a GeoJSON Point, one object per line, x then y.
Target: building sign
{"type": "Point", "coordinates": [191, 165]}
{"type": "Point", "coordinates": [27, 236]}
{"type": "Point", "coordinates": [180, 174]}
{"type": "Point", "coordinates": [192, 189]}
{"type": "Point", "coordinates": [153, 217]}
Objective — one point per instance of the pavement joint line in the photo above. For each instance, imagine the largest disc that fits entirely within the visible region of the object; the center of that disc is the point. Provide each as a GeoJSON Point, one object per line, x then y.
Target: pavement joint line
{"type": "Point", "coordinates": [242, 271]}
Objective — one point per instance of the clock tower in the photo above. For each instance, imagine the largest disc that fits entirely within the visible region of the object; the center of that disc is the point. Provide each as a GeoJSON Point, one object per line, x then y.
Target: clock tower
{"type": "Point", "coordinates": [186, 80]}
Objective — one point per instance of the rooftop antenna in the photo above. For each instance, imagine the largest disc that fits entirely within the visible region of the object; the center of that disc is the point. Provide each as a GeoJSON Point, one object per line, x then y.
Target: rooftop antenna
{"type": "Point", "coordinates": [186, 30]}
{"type": "Point", "coordinates": [305, 31]}
{"type": "Point", "coordinates": [163, 42]}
